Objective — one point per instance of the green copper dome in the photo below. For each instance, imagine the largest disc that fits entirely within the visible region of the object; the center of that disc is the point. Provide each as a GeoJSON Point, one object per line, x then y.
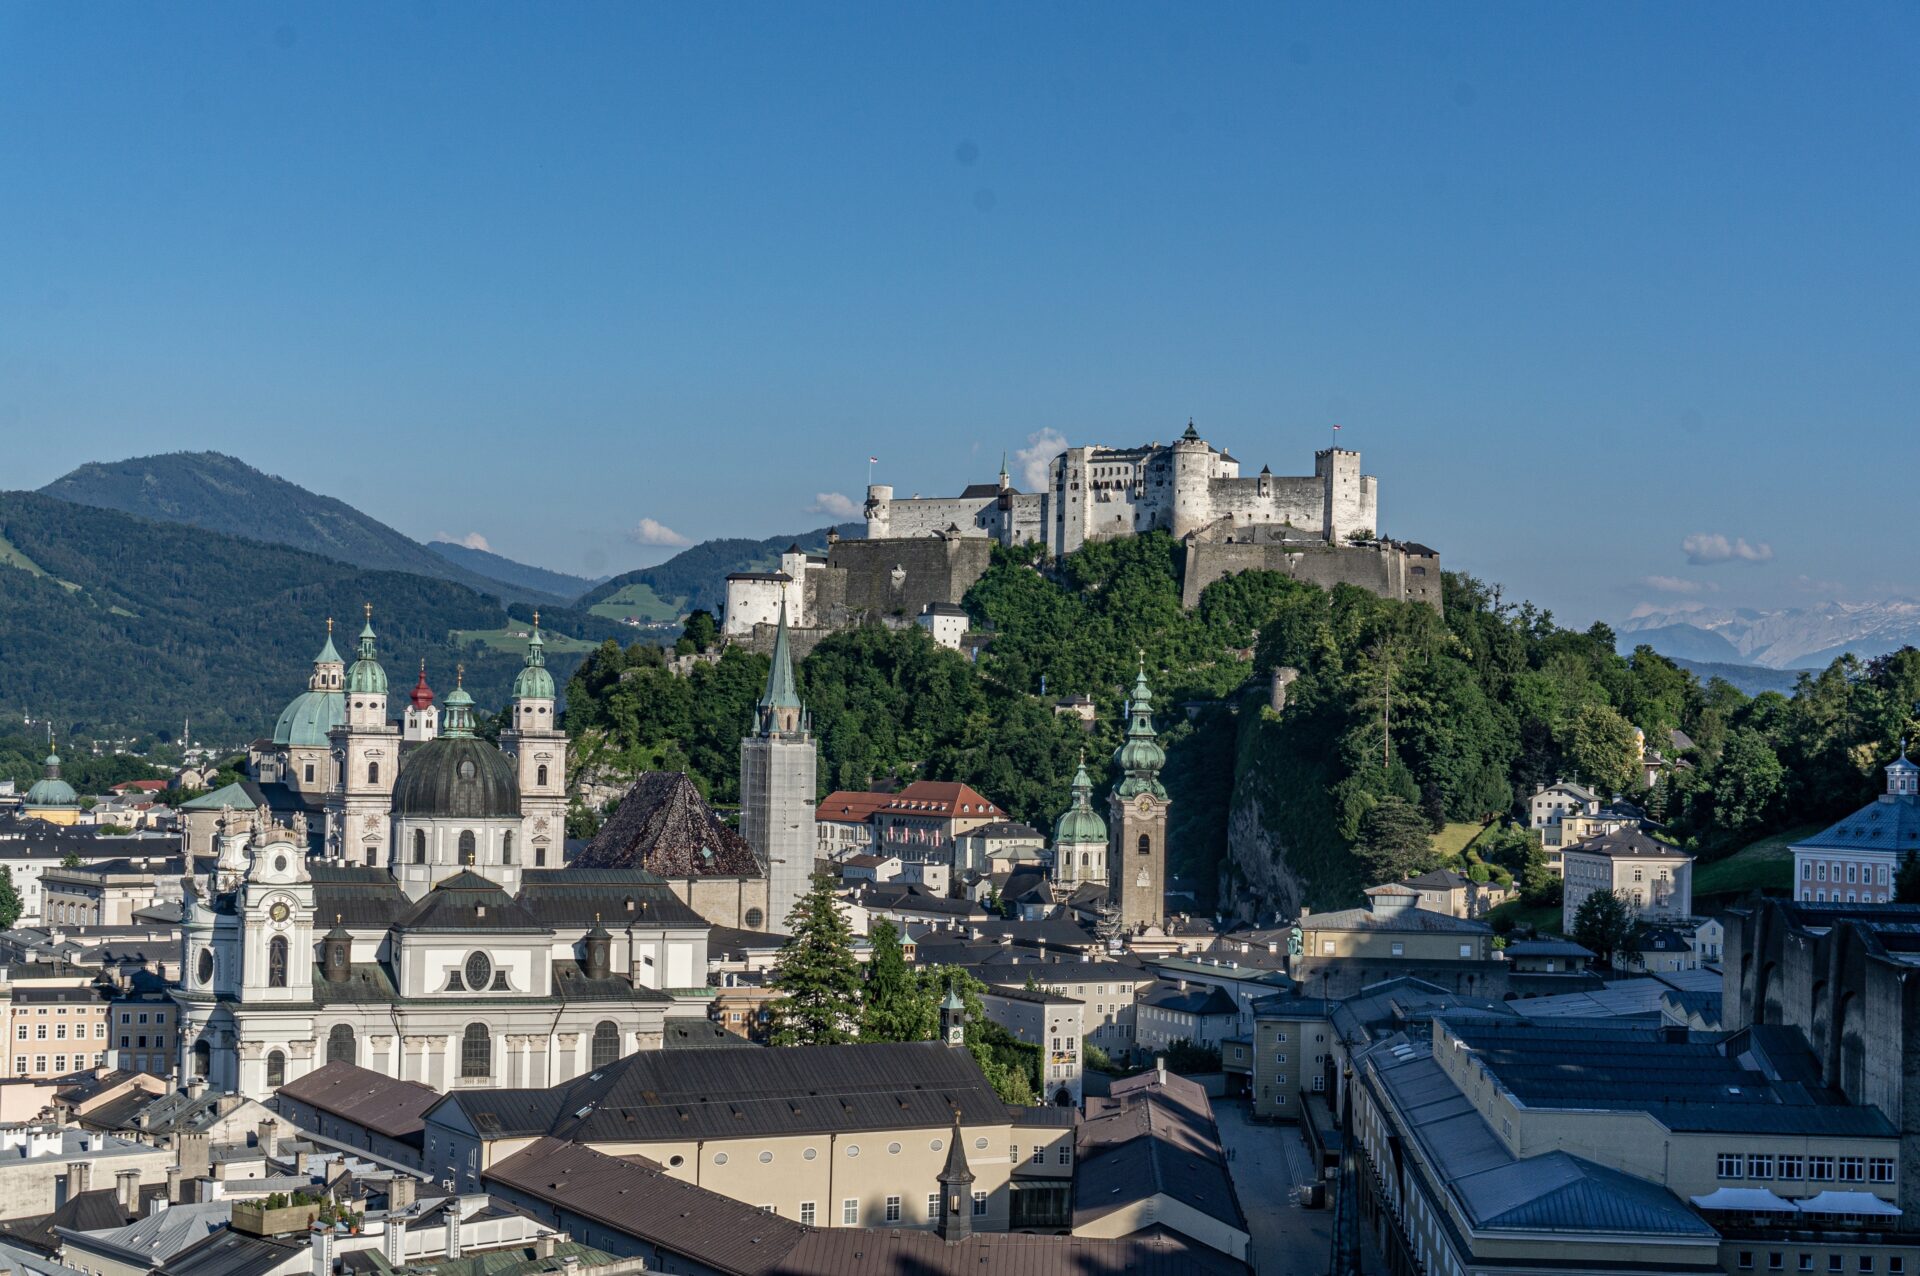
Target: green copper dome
{"type": "Point", "coordinates": [534, 682]}
{"type": "Point", "coordinates": [365, 677]}
{"type": "Point", "coordinates": [456, 717]}
{"type": "Point", "coordinates": [1141, 757]}
{"type": "Point", "coordinates": [1080, 824]}
{"type": "Point", "coordinates": [52, 791]}
{"type": "Point", "coordinates": [307, 719]}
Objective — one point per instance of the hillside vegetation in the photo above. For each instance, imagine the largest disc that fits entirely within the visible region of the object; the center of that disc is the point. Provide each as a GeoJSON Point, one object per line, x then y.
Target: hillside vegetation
{"type": "Point", "coordinates": [131, 625]}
{"type": "Point", "coordinates": [695, 579]}
{"type": "Point", "coordinates": [1400, 718]}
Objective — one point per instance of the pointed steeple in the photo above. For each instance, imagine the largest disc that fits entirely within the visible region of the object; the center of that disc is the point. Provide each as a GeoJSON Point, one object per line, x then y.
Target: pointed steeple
{"type": "Point", "coordinates": [956, 1190]}
{"type": "Point", "coordinates": [1140, 757]}
{"type": "Point", "coordinates": [1005, 481]}
{"type": "Point", "coordinates": [1192, 435]}
{"type": "Point", "coordinates": [366, 677]}
{"type": "Point", "coordinates": [533, 681]}
{"type": "Point", "coordinates": [780, 706]}
{"type": "Point", "coordinates": [329, 654]}
{"type": "Point", "coordinates": [422, 696]}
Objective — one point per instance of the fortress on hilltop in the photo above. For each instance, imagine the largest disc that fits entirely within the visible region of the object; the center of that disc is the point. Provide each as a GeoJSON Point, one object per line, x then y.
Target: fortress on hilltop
{"type": "Point", "coordinates": [925, 552]}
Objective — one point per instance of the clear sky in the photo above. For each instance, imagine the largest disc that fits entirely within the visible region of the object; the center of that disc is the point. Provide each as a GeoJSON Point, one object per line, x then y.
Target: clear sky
{"type": "Point", "coordinates": [1582, 281]}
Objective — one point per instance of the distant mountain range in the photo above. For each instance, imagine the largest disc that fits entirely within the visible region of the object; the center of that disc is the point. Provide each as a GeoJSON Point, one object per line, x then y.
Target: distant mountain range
{"type": "Point", "coordinates": [1787, 639]}
{"type": "Point", "coordinates": [697, 577]}
{"type": "Point", "coordinates": [519, 575]}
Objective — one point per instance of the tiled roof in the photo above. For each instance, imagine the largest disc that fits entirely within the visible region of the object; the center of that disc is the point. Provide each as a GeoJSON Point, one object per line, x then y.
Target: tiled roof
{"type": "Point", "coordinates": [1628, 843]}
{"type": "Point", "coordinates": [663, 825]}
{"type": "Point", "coordinates": [1153, 1251]}
{"type": "Point", "coordinates": [1210, 999]}
{"type": "Point", "coordinates": [1404, 919]}
{"type": "Point", "coordinates": [943, 799]}
{"type": "Point", "coordinates": [1151, 1138]}
{"type": "Point", "coordinates": [393, 1107]}
{"type": "Point", "coordinates": [1888, 823]}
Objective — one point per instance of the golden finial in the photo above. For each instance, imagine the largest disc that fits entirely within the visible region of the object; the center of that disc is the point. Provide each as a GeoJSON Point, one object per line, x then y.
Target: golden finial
{"type": "Point", "coordinates": [329, 626]}
{"type": "Point", "coordinates": [336, 919]}
{"type": "Point", "coordinates": [368, 608]}
{"type": "Point", "coordinates": [536, 619]}
{"type": "Point", "coordinates": [459, 675]}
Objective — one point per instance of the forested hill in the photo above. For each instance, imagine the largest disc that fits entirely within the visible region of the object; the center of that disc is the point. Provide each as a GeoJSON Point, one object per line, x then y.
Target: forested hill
{"type": "Point", "coordinates": [111, 622]}
{"type": "Point", "coordinates": [506, 570]}
{"type": "Point", "coordinates": [221, 493]}
{"type": "Point", "coordinates": [1305, 807]}
{"type": "Point", "coordinates": [696, 578]}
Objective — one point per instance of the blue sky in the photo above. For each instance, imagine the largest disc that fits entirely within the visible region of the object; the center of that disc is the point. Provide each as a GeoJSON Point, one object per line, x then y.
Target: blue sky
{"type": "Point", "coordinates": [1582, 281]}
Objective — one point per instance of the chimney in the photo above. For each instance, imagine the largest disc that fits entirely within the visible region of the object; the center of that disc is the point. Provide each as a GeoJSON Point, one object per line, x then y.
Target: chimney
{"type": "Point", "coordinates": [394, 1244]}
{"type": "Point", "coordinates": [543, 1245]}
{"type": "Point", "coordinates": [400, 1191]}
{"type": "Point", "coordinates": [77, 1175]}
{"type": "Point", "coordinates": [269, 1142]}
{"type": "Point", "coordinates": [453, 1228]}
{"type": "Point", "coordinates": [192, 1153]}
{"type": "Point", "coordinates": [321, 1237]}
{"type": "Point", "coordinates": [126, 1190]}
{"type": "Point", "coordinates": [1160, 1066]}
{"type": "Point", "coordinates": [156, 1203]}
{"type": "Point", "coordinates": [196, 1087]}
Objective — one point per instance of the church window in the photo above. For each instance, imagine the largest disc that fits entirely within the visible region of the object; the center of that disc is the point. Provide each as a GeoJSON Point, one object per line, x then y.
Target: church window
{"type": "Point", "coordinates": [540, 776]}
{"type": "Point", "coordinates": [755, 919]}
{"type": "Point", "coordinates": [341, 1047]}
{"type": "Point", "coordinates": [309, 773]}
{"type": "Point", "coordinates": [373, 773]}
{"type": "Point", "coordinates": [539, 857]}
{"type": "Point", "coordinates": [1146, 845]}
{"type": "Point", "coordinates": [202, 1058]}
{"type": "Point", "coordinates": [277, 962]}
{"type": "Point", "coordinates": [206, 966]}
{"type": "Point", "coordinates": [506, 848]}
{"type": "Point", "coordinates": [476, 1051]}
{"type": "Point", "coordinates": [419, 846]}
{"type": "Point", "coordinates": [479, 971]}
{"type": "Point", "coordinates": [467, 769]}
{"type": "Point", "coordinates": [466, 847]}
{"type": "Point", "coordinates": [606, 1043]}
{"type": "Point", "coordinates": [276, 1069]}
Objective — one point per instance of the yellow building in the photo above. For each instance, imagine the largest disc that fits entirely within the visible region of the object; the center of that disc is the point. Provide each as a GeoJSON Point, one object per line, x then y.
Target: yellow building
{"type": "Point", "coordinates": [51, 798]}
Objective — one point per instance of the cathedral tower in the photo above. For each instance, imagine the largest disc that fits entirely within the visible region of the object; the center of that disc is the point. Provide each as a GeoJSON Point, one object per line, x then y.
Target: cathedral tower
{"type": "Point", "coordinates": [1080, 837]}
{"type": "Point", "coordinates": [539, 752]}
{"type": "Point", "coordinates": [1137, 815]}
{"type": "Point", "coordinates": [778, 768]}
{"type": "Point", "coordinates": [366, 751]}
{"type": "Point", "coordinates": [422, 722]}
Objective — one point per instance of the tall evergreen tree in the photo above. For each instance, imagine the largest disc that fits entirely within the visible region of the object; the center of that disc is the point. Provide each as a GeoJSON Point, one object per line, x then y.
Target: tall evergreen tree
{"type": "Point", "coordinates": [1604, 924]}
{"type": "Point", "coordinates": [10, 898]}
{"type": "Point", "coordinates": [897, 1006]}
{"type": "Point", "coordinates": [818, 977]}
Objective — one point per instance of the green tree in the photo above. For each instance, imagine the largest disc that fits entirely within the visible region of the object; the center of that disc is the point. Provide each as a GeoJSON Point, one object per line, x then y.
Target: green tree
{"type": "Point", "coordinates": [700, 632]}
{"type": "Point", "coordinates": [10, 905]}
{"type": "Point", "coordinates": [1747, 782]}
{"type": "Point", "coordinates": [817, 975]}
{"type": "Point", "coordinates": [897, 1006]}
{"type": "Point", "coordinates": [1011, 1066]}
{"type": "Point", "coordinates": [1395, 841]}
{"type": "Point", "coordinates": [1906, 882]}
{"type": "Point", "coordinates": [71, 860]}
{"type": "Point", "coordinates": [1602, 748]}
{"type": "Point", "coordinates": [1604, 924]}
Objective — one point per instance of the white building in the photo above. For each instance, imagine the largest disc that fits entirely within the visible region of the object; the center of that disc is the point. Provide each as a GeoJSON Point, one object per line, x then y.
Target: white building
{"type": "Point", "coordinates": [947, 623]}
{"type": "Point", "coordinates": [1655, 877]}
{"type": "Point", "coordinates": [1855, 860]}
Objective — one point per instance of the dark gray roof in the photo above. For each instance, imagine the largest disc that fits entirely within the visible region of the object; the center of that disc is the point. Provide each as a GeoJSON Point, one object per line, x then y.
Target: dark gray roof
{"type": "Point", "coordinates": [663, 825]}
{"type": "Point", "coordinates": [468, 902]}
{"type": "Point", "coordinates": [1398, 920]}
{"type": "Point", "coordinates": [1148, 1139]}
{"type": "Point", "coordinates": [1545, 948]}
{"type": "Point", "coordinates": [371, 983]}
{"type": "Point", "coordinates": [460, 776]}
{"type": "Point", "coordinates": [672, 1094]}
{"type": "Point", "coordinates": [231, 1253]}
{"type": "Point", "coordinates": [391, 1106]}
{"type": "Point", "coordinates": [1888, 823]}
{"type": "Point", "coordinates": [555, 899]}
{"type": "Point", "coordinates": [1153, 1251]}
{"type": "Point", "coordinates": [1208, 999]}
{"type": "Point", "coordinates": [1628, 843]}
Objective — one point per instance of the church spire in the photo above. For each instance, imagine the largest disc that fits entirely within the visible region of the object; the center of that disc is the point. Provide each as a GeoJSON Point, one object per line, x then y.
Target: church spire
{"type": "Point", "coordinates": [956, 1190]}
{"type": "Point", "coordinates": [1140, 757]}
{"type": "Point", "coordinates": [458, 721]}
{"type": "Point", "coordinates": [533, 681]}
{"type": "Point", "coordinates": [780, 706]}
{"type": "Point", "coordinates": [366, 677]}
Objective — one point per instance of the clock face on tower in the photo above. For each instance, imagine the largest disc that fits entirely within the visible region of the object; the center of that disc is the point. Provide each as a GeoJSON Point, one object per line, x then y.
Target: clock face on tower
{"type": "Point", "coordinates": [1144, 805]}
{"type": "Point", "coordinates": [279, 912]}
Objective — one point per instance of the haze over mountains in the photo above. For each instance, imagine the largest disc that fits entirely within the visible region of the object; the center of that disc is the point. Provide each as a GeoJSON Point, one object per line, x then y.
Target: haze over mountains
{"type": "Point", "coordinates": [1786, 638]}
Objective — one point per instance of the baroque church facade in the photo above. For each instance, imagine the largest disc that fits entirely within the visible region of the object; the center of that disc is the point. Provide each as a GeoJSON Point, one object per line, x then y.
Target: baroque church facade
{"type": "Point", "coordinates": [439, 936]}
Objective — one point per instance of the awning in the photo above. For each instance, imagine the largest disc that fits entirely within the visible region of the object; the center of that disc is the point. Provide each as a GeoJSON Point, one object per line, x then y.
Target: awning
{"type": "Point", "coordinates": [1848, 1203]}
{"type": "Point", "coordinates": [1745, 1200]}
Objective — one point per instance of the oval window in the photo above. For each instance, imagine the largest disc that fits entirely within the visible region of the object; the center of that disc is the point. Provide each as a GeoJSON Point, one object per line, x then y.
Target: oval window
{"type": "Point", "coordinates": [206, 965]}
{"type": "Point", "coordinates": [808, 1155]}
{"type": "Point", "coordinates": [853, 1149]}
{"type": "Point", "coordinates": [479, 971]}
{"type": "Point", "coordinates": [893, 1149]}
{"type": "Point", "coordinates": [279, 863]}
{"type": "Point", "coordinates": [935, 1145]}
{"type": "Point", "coordinates": [467, 770]}
{"type": "Point", "coordinates": [675, 1162]}
{"type": "Point", "coordinates": [979, 1144]}
{"type": "Point", "coordinates": [766, 1158]}
{"type": "Point", "coordinates": [719, 1158]}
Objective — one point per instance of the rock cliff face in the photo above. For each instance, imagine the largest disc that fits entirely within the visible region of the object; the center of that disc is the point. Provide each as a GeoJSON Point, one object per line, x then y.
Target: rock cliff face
{"type": "Point", "coordinates": [1258, 882]}
{"type": "Point", "coordinates": [1282, 851]}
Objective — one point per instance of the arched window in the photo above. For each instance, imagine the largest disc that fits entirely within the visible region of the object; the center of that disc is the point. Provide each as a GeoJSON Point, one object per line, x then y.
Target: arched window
{"type": "Point", "coordinates": [476, 1051]}
{"type": "Point", "coordinates": [276, 1069]}
{"type": "Point", "coordinates": [466, 847]}
{"type": "Point", "coordinates": [606, 1043]}
{"type": "Point", "coordinates": [341, 1047]}
{"type": "Point", "coordinates": [202, 1058]}
{"type": "Point", "coordinates": [277, 962]}
{"type": "Point", "coordinates": [540, 776]}
{"type": "Point", "coordinates": [373, 773]}
{"type": "Point", "coordinates": [1146, 844]}
{"type": "Point", "coordinates": [419, 846]}
{"type": "Point", "coordinates": [506, 848]}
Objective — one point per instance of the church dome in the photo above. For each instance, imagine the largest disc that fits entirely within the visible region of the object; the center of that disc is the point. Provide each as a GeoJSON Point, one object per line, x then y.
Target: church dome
{"type": "Point", "coordinates": [1080, 824]}
{"type": "Point", "coordinates": [533, 683]}
{"type": "Point", "coordinates": [457, 776]}
{"type": "Point", "coordinates": [308, 718]}
{"type": "Point", "coordinates": [365, 676]}
{"type": "Point", "coordinates": [52, 791]}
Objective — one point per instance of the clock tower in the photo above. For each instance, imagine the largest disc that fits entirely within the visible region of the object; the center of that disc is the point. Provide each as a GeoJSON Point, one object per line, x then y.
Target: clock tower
{"type": "Point", "coordinates": [276, 910]}
{"type": "Point", "coordinates": [1137, 816]}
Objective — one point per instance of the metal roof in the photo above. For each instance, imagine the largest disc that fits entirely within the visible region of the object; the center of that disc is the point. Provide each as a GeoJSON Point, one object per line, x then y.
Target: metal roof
{"type": "Point", "coordinates": [1889, 823]}
{"type": "Point", "coordinates": [371, 1099]}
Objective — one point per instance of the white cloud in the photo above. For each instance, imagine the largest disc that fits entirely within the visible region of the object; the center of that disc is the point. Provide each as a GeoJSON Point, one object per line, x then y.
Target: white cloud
{"type": "Point", "coordinates": [1677, 585]}
{"type": "Point", "coordinates": [472, 540]}
{"type": "Point", "coordinates": [1034, 459]}
{"type": "Point", "coordinates": [834, 503]}
{"type": "Point", "coordinates": [650, 531]}
{"type": "Point", "coordinates": [1716, 547]}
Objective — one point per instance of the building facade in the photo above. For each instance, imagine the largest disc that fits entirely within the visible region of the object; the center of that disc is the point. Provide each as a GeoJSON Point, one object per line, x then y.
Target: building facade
{"type": "Point", "coordinates": [1854, 861]}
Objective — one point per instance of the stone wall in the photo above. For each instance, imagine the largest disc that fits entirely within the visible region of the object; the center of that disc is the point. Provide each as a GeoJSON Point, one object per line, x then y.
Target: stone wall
{"type": "Point", "coordinates": [897, 577]}
{"type": "Point", "coordinates": [1390, 569]}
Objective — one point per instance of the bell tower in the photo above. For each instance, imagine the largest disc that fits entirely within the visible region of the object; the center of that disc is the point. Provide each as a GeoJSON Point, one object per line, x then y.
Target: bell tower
{"type": "Point", "coordinates": [1137, 815]}
{"type": "Point", "coordinates": [366, 754]}
{"type": "Point", "coordinates": [778, 768]}
{"type": "Point", "coordinates": [539, 751]}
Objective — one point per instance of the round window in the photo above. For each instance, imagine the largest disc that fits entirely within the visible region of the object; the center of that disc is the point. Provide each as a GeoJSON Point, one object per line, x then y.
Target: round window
{"type": "Point", "coordinates": [935, 1145]}
{"type": "Point", "coordinates": [893, 1149]}
{"type": "Point", "coordinates": [467, 770]}
{"type": "Point", "coordinates": [853, 1149]}
{"type": "Point", "coordinates": [754, 918]}
{"type": "Point", "coordinates": [979, 1143]}
{"type": "Point", "coordinates": [206, 965]}
{"type": "Point", "coordinates": [766, 1158]}
{"type": "Point", "coordinates": [808, 1155]}
{"type": "Point", "coordinates": [719, 1158]}
{"type": "Point", "coordinates": [479, 971]}
{"type": "Point", "coordinates": [675, 1162]}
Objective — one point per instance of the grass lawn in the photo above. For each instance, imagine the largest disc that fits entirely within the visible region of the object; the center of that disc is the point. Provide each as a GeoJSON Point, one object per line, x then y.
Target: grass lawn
{"type": "Point", "coordinates": [639, 602]}
{"type": "Point", "coordinates": [515, 639]}
{"type": "Point", "coordinates": [1453, 840]}
{"type": "Point", "coordinates": [1762, 865]}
